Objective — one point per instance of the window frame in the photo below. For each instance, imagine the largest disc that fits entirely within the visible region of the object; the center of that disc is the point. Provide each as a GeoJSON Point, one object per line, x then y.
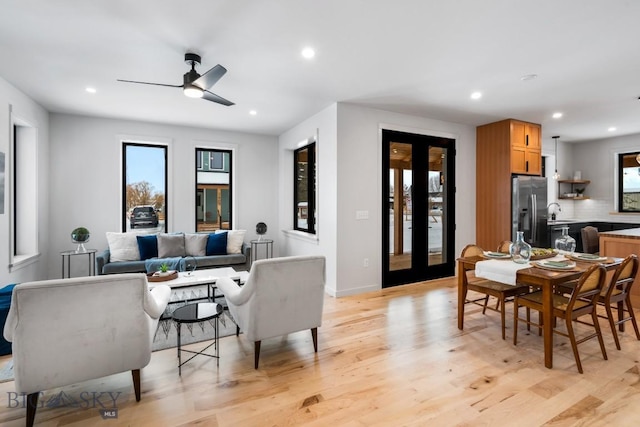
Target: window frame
{"type": "Point", "coordinates": [199, 197]}
{"type": "Point", "coordinates": [125, 210]}
{"type": "Point", "coordinates": [311, 187]}
{"type": "Point", "coordinates": [620, 196]}
{"type": "Point", "coordinates": [21, 173]}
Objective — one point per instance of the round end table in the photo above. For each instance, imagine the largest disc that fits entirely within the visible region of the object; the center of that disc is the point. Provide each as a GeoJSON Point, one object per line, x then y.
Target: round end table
{"type": "Point", "coordinates": [195, 313]}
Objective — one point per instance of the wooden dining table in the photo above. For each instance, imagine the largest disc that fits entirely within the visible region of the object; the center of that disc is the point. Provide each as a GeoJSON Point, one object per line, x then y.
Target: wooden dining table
{"type": "Point", "coordinates": [546, 280]}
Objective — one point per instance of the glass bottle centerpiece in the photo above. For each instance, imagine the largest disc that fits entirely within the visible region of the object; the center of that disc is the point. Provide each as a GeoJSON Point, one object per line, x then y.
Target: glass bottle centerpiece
{"type": "Point", "coordinates": [520, 250]}
{"type": "Point", "coordinates": [565, 243]}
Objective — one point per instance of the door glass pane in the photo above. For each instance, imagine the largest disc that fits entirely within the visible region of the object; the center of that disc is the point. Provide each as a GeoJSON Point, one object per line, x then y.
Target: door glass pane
{"type": "Point", "coordinates": [400, 206]}
{"type": "Point", "coordinates": [436, 205]}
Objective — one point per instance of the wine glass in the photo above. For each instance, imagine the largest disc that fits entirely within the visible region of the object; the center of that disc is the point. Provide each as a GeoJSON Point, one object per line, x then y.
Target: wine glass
{"type": "Point", "coordinates": [190, 265]}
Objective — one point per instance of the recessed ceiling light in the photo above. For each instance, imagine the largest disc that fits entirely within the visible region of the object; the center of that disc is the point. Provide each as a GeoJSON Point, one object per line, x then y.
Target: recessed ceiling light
{"type": "Point", "coordinates": [476, 95]}
{"type": "Point", "coordinates": [308, 52]}
{"type": "Point", "coordinates": [253, 112]}
{"type": "Point", "coordinates": [91, 89]}
{"type": "Point", "coordinates": [612, 129]}
{"type": "Point", "coordinates": [528, 77]}
{"type": "Point", "coordinates": [557, 115]}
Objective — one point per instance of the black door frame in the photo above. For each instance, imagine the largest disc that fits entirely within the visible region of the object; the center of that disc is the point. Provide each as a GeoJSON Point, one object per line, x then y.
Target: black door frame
{"type": "Point", "coordinates": [420, 150]}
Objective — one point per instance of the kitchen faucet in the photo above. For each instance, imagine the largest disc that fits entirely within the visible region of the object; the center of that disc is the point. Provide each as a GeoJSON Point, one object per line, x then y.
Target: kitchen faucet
{"type": "Point", "coordinates": [553, 214]}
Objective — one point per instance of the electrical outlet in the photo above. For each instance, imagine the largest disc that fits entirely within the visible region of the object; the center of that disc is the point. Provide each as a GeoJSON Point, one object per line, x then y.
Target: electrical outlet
{"type": "Point", "coordinates": [365, 263]}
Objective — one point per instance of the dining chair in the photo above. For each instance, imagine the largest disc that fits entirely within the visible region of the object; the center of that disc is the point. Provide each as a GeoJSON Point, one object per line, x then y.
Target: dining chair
{"type": "Point", "coordinates": [618, 295]}
{"type": "Point", "coordinates": [502, 291]}
{"type": "Point", "coordinates": [504, 246]}
{"type": "Point", "coordinates": [590, 240]}
{"type": "Point", "coordinates": [581, 302]}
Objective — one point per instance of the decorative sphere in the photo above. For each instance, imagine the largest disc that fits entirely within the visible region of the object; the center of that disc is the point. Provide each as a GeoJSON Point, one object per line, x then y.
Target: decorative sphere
{"type": "Point", "coordinates": [80, 235]}
{"type": "Point", "coordinates": [261, 228]}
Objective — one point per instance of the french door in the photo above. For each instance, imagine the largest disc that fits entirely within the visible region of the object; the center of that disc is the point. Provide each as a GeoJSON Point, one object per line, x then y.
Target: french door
{"type": "Point", "coordinates": [418, 209]}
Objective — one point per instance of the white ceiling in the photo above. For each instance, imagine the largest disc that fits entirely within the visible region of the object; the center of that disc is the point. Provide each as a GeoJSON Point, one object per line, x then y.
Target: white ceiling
{"type": "Point", "coordinates": [421, 57]}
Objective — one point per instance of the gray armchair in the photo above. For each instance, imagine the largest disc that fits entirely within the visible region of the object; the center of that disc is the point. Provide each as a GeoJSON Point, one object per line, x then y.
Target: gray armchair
{"type": "Point", "coordinates": [280, 296]}
{"type": "Point", "coordinates": [70, 330]}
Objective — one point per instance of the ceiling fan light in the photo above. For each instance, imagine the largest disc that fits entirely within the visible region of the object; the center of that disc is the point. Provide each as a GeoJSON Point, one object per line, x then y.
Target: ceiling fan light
{"type": "Point", "coordinates": [193, 91]}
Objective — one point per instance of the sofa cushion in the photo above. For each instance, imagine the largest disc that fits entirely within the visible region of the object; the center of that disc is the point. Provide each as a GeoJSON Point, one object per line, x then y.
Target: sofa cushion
{"type": "Point", "coordinates": [123, 246]}
{"type": "Point", "coordinates": [235, 240]}
{"type": "Point", "coordinates": [170, 245]}
{"type": "Point", "coordinates": [217, 244]}
{"type": "Point", "coordinates": [147, 246]}
{"type": "Point", "coordinates": [195, 244]}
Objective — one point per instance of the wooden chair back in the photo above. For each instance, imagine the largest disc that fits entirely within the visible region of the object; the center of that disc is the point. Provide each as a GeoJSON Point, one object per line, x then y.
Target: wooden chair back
{"type": "Point", "coordinates": [471, 250]}
{"type": "Point", "coordinates": [504, 246]}
{"type": "Point", "coordinates": [588, 288]}
{"type": "Point", "coordinates": [590, 240]}
{"type": "Point", "coordinates": [623, 277]}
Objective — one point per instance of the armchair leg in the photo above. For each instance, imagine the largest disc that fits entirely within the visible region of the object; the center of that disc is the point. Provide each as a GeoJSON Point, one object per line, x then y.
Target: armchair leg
{"type": "Point", "coordinates": [136, 383]}
{"type": "Point", "coordinates": [32, 404]}
{"type": "Point", "coordinates": [314, 335]}
{"type": "Point", "coordinates": [237, 330]}
{"type": "Point", "coordinates": [257, 353]}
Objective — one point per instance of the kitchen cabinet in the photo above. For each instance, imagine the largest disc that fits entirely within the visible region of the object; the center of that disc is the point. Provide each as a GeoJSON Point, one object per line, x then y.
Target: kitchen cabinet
{"type": "Point", "coordinates": [526, 153]}
{"type": "Point", "coordinates": [502, 148]}
{"type": "Point", "coordinates": [562, 186]}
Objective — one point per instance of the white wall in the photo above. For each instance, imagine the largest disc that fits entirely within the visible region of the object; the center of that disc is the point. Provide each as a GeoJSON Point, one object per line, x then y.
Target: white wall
{"type": "Point", "coordinates": [360, 188]}
{"type": "Point", "coordinates": [27, 110]}
{"type": "Point", "coordinates": [323, 126]}
{"type": "Point", "coordinates": [598, 162]}
{"type": "Point", "coordinates": [349, 179]}
{"type": "Point", "coordinates": [86, 177]}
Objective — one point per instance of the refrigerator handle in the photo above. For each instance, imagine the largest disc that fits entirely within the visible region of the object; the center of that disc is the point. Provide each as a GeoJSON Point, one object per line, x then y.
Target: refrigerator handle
{"type": "Point", "coordinates": [534, 219]}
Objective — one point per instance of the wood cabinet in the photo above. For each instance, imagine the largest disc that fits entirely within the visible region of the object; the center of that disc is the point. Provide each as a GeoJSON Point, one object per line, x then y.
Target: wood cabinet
{"type": "Point", "coordinates": [526, 153]}
{"type": "Point", "coordinates": [502, 148]}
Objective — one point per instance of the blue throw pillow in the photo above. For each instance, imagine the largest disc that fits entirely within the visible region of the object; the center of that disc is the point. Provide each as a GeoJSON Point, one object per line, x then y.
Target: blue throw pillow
{"type": "Point", "coordinates": [217, 244]}
{"type": "Point", "coordinates": [148, 246]}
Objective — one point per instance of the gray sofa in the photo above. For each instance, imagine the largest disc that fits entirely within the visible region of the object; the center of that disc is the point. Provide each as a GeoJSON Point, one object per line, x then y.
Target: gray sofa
{"type": "Point", "coordinates": [240, 262]}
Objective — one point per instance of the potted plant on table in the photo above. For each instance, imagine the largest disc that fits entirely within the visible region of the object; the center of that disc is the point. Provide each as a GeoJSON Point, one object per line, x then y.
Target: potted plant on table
{"type": "Point", "coordinates": [80, 236]}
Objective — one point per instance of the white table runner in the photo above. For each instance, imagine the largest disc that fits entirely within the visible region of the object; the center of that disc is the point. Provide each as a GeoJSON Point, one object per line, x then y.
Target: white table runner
{"type": "Point", "coordinates": [504, 271]}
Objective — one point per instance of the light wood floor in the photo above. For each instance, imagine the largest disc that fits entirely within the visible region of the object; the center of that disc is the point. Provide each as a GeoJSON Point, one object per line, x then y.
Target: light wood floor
{"type": "Point", "coordinates": [388, 358]}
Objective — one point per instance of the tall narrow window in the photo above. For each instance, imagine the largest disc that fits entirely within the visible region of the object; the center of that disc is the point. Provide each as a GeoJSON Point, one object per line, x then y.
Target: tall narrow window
{"type": "Point", "coordinates": [24, 162]}
{"type": "Point", "coordinates": [629, 182]}
{"type": "Point", "coordinates": [304, 192]}
{"type": "Point", "coordinates": [144, 191]}
{"type": "Point", "coordinates": [213, 189]}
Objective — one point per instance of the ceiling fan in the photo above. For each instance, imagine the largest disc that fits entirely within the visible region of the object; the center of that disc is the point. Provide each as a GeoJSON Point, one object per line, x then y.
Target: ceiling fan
{"type": "Point", "coordinates": [196, 85]}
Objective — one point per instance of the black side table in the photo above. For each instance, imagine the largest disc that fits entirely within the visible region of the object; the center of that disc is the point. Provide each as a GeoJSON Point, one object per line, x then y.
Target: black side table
{"type": "Point", "coordinates": [255, 246]}
{"type": "Point", "coordinates": [66, 255]}
{"type": "Point", "coordinates": [194, 313]}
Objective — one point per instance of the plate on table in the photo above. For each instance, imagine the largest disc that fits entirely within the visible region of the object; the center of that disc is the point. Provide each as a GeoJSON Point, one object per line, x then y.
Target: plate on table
{"type": "Point", "coordinates": [587, 257]}
{"type": "Point", "coordinates": [542, 253]}
{"type": "Point", "coordinates": [555, 265]}
{"type": "Point", "coordinates": [496, 255]}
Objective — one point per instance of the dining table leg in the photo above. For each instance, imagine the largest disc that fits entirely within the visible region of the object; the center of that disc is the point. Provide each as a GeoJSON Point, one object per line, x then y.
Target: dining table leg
{"type": "Point", "coordinates": [462, 293]}
{"type": "Point", "coordinates": [547, 325]}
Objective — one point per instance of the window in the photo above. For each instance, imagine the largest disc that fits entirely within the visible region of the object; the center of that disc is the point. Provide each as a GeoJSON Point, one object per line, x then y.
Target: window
{"type": "Point", "coordinates": [24, 194]}
{"type": "Point", "coordinates": [144, 191]}
{"type": "Point", "coordinates": [213, 189]}
{"type": "Point", "coordinates": [304, 191]}
{"type": "Point", "coordinates": [629, 182]}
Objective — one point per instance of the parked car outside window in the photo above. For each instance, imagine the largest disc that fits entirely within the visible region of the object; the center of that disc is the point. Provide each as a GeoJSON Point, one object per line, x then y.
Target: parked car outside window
{"type": "Point", "coordinates": [143, 216]}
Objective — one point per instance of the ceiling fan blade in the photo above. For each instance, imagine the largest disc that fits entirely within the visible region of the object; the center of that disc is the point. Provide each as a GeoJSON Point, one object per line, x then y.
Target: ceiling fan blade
{"type": "Point", "coordinates": [210, 78]}
{"type": "Point", "coordinates": [210, 96]}
{"type": "Point", "coordinates": [147, 83]}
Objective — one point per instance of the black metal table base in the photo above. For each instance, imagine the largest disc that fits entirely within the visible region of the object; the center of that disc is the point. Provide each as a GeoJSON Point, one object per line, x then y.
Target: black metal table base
{"type": "Point", "coordinates": [201, 352]}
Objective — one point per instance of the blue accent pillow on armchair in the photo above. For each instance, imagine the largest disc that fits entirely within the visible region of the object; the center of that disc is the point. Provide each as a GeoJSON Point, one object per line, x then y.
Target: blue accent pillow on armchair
{"type": "Point", "coordinates": [5, 304]}
{"type": "Point", "coordinates": [148, 246]}
{"type": "Point", "coordinates": [217, 244]}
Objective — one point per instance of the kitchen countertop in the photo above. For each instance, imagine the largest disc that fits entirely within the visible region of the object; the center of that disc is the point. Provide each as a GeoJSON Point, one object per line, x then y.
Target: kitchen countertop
{"type": "Point", "coordinates": [630, 233]}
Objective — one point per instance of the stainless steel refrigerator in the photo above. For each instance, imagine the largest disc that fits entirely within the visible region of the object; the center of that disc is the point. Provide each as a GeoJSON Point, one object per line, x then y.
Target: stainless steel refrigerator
{"type": "Point", "coordinates": [529, 209]}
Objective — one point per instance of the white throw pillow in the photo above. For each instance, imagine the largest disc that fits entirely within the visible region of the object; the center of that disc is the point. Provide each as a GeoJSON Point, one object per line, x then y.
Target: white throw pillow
{"type": "Point", "coordinates": [171, 245]}
{"type": "Point", "coordinates": [235, 240]}
{"type": "Point", "coordinates": [195, 244]}
{"type": "Point", "coordinates": [123, 247]}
